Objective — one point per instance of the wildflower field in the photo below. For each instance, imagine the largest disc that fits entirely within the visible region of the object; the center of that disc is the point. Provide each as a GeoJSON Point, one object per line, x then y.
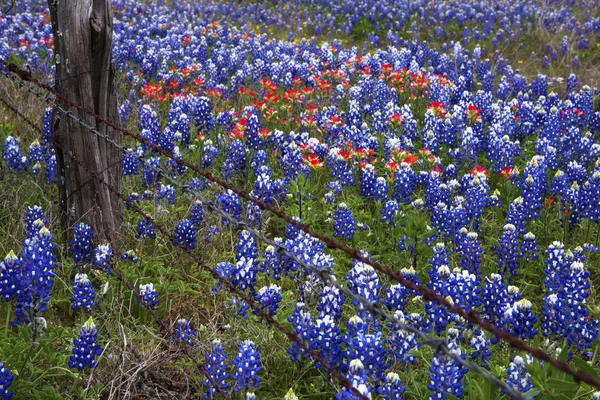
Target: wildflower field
{"type": "Point", "coordinates": [446, 147]}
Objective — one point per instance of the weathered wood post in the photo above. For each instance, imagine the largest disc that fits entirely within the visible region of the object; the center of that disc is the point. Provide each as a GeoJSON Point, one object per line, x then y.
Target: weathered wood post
{"type": "Point", "coordinates": [82, 32]}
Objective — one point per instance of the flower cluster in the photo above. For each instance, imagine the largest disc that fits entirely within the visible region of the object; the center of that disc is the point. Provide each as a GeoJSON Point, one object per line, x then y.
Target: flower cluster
{"type": "Point", "coordinates": [85, 349]}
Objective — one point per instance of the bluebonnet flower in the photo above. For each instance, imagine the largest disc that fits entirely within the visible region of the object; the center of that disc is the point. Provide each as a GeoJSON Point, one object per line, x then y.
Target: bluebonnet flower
{"type": "Point", "coordinates": [463, 288]}
{"type": "Point", "coordinates": [290, 395]}
{"type": "Point", "coordinates": [446, 374]}
{"type": "Point", "coordinates": [358, 378]}
{"type": "Point", "coordinates": [272, 261]}
{"type": "Point", "coordinates": [366, 347]}
{"type": "Point", "coordinates": [331, 302]}
{"type": "Point", "coordinates": [269, 297]}
{"type": "Point", "coordinates": [260, 159]}
{"type": "Point", "coordinates": [185, 234]}
{"type": "Point", "coordinates": [148, 296]}
{"type": "Point", "coordinates": [197, 213]}
{"type": "Point", "coordinates": [6, 379]}
{"type": "Point", "coordinates": [508, 251]}
{"type": "Point", "coordinates": [83, 293]}
{"type": "Point", "coordinates": [393, 388]}
{"type": "Point", "coordinates": [35, 155]}
{"type": "Point", "coordinates": [368, 181]}
{"type": "Point", "coordinates": [558, 262]}
{"type": "Point", "coordinates": [85, 348]}
{"type": "Point", "coordinates": [533, 186]}
{"type": "Point", "coordinates": [518, 378]}
{"type": "Point", "coordinates": [545, 62]}
{"type": "Point", "coordinates": [301, 320]}
{"type": "Point", "coordinates": [397, 296]}
{"type": "Point", "coordinates": [263, 186]}
{"type": "Point", "coordinates": [480, 347]}
{"type": "Point", "coordinates": [197, 185]}
{"type": "Point", "coordinates": [326, 340]}
{"type": "Point", "coordinates": [331, 191]}
{"type": "Point", "coordinates": [565, 311]}
{"type": "Point", "coordinates": [560, 184]}
{"type": "Point", "coordinates": [82, 244]}
{"type": "Point", "coordinates": [247, 366]}
{"type": "Point", "coordinates": [130, 163]}
{"type": "Point", "coordinates": [151, 171]}
{"type": "Point", "coordinates": [145, 229]}
{"type": "Point", "coordinates": [216, 369]}
{"type": "Point", "coordinates": [470, 251]}
{"type": "Point", "coordinates": [564, 48]}
{"type": "Point", "coordinates": [380, 190]}
{"type": "Point", "coordinates": [166, 192]}
{"type": "Point", "coordinates": [341, 167]}
{"type": "Point", "coordinates": [9, 276]}
{"type": "Point", "coordinates": [529, 247]}
{"type": "Point", "coordinates": [212, 231]}
{"type": "Point", "coordinates": [494, 297]}
{"type": "Point", "coordinates": [436, 192]}
{"type": "Point", "coordinates": [229, 202]}
{"type": "Point", "coordinates": [102, 256]}
{"type": "Point", "coordinates": [253, 215]}
{"type": "Point", "coordinates": [344, 224]}
{"type": "Point", "coordinates": [389, 212]}
{"type": "Point", "coordinates": [130, 255]}
{"type": "Point", "coordinates": [517, 216]}
{"type": "Point", "coordinates": [225, 270]}
{"type": "Point", "coordinates": [247, 263]}
{"type": "Point", "coordinates": [183, 332]}
{"type": "Point", "coordinates": [36, 276]}
{"type": "Point", "coordinates": [520, 319]}
{"type": "Point", "coordinates": [476, 198]}
{"type": "Point", "coordinates": [15, 160]}
{"type": "Point", "coordinates": [292, 163]}
{"type": "Point", "coordinates": [34, 221]}
{"type": "Point", "coordinates": [363, 281]}
{"type": "Point", "coordinates": [235, 161]}
{"type": "Point", "coordinates": [401, 341]}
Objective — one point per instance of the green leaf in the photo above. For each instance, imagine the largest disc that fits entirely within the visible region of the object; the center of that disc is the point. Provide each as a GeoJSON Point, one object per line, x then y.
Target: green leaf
{"type": "Point", "coordinates": [562, 386]}
{"type": "Point", "coordinates": [533, 392]}
{"type": "Point", "coordinates": [587, 368]}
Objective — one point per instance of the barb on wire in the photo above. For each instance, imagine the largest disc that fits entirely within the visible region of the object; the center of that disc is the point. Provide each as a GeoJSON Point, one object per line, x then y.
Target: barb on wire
{"type": "Point", "coordinates": [472, 316]}
{"type": "Point", "coordinates": [439, 345]}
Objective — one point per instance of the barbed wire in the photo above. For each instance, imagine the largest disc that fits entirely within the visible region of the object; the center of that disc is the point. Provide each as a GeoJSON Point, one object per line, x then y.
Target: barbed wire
{"type": "Point", "coordinates": [472, 316]}
{"type": "Point", "coordinates": [439, 345]}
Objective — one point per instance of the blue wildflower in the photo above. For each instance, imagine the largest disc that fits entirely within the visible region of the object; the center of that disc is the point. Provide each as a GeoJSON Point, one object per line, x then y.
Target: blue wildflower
{"type": "Point", "coordinates": [344, 224]}
{"type": "Point", "coordinates": [148, 296]}
{"type": "Point", "coordinates": [183, 332]}
{"type": "Point", "coordinates": [85, 348]}
{"type": "Point", "coordinates": [82, 244]}
{"type": "Point", "coordinates": [83, 293]}
{"type": "Point", "coordinates": [216, 369]}
{"type": "Point", "coordinates": [103, 255]}
{"type": "Point", "coordinates": [247, 366]}
{"type": "Point", "coordinates": [6, 379]}
{"type": "Point", "coordinates": [185, 234]}
{"type": "Point", "coordinates": [518, 377]}
{"type": "Point", "coordinates": [269, 298]}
